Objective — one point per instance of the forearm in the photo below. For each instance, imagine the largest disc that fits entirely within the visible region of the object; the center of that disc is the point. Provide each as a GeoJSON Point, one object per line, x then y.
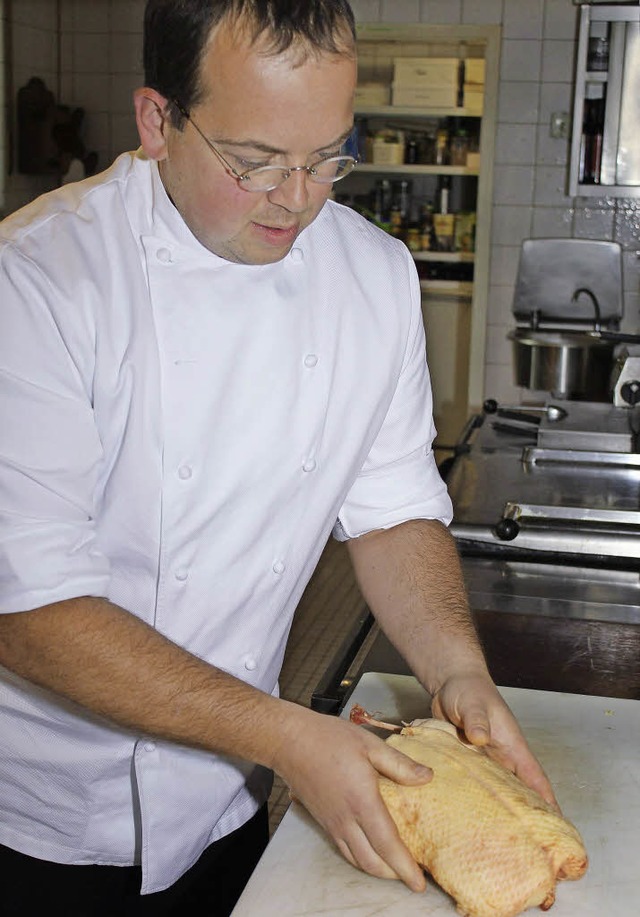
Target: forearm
{"type": "Point", "coordinates": [411, 578]}
{"type": "Point", "coordinates": [113, 664]}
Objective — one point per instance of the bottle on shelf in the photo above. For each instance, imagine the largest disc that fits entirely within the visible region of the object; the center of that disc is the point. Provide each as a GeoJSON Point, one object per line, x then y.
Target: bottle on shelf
{"type": "Point", "coordinates": [459, 147]}
{"type": "Point", "coordinates": [444, 220]}
{"type": "Point", "coordinates": [400, 207]}
{"type": "Point", "coordinates": [427, 240]}
{"type": "Point", "coordinates": [442, 147]}
{"type": "Point", "coordinates": [592, 130]}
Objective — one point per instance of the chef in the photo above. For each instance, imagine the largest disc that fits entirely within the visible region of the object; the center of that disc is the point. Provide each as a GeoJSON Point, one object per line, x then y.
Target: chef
{"type": "Point", "coordinates": [208, 367]}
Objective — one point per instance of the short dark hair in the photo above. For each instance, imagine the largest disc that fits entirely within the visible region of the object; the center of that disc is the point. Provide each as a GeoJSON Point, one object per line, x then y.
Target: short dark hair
{"type": "Point", "coordinates": [176, 34]}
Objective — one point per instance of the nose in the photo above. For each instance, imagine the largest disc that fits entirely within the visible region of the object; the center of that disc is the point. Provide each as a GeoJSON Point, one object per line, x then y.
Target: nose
{"type": "Point", "coordinates": [292, 194]}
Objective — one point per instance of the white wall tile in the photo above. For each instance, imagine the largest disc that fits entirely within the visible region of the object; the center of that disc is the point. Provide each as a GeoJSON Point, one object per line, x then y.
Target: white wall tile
{"type": "Point", "coordinates": [124, 134]}
{"type": "Point", "coordinates": [126, 15]}
{"type": "Point", "coordinates": [521, 60]}
{"type": "Point", "coordinates": [441, 11]}
{"type": "Point", "coordinates": [551, 187]}
{"type": "Point", "coordinates": [627, 228]}
{"type": "Point", "coordinates": [90, 53]}
{"type": "Point", "coordinates": [518, 102]}
{"type": "Point", "coordinates": [513, 185]}
{"type": "Point", "coordinates": [498, 384]}
{"type": "Point", "coordinates": [499, 306]}
{"type": "Point", "coordinates": [125, 52]}
{"type": "Point", "coordinates": [499, 347]}
{"type": "Point", "coordinates": [482, 12]}
{"type": "Point", "coordinates": [551, 151]}
{"type": "Point", "coordinates": [121, 88]}
{"type": "Point", "coordinates": [366, 10]}
{"type": "Point", "coordinates": [561, 19]}
{"type": "Point", "coordinates": [523, 18]}
{"type": "Point", "coordinates": [552, 223]}
{"type": "Point", "coordinates": [516, 144]}
{"type": "Point", "coordinates": [558, 61]}
{"type": "Point", "coordinates": [91, 92]}
{"type": "Point", "coordinates": [554, 97]}
{"type": "Point", "coordinates": [504, 265]}
{"type": "Point", "coordinates": [510, 224]}
{"type": "Point", "coordinates": [400, 10]}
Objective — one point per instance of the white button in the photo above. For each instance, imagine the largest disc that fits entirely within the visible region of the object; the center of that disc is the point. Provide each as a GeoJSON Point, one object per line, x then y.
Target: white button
{"type": "Point", "coordinates": [310, 360]}
{"type": "Point", "coordinates": [278, 567]}
{"type": "Point", "coordinates": [182, 574]}
{"type": "Point", "coordinates": [164, 255]}
{"type": "Point", "coordinates": [250, 664]}
{"type": "Point", "coordinates": [296, 254]}
{"type": "Point", "coordinates": [184, 472]}
{"type": "Point", "coordinates": [309, 465]}
{"type": "Point", "coordinates": [149, 746]}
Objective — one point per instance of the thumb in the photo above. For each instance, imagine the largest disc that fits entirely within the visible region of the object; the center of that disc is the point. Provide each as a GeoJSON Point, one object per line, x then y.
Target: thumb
{"type": "Point", "coordinates": [476, 728]}
{"type": "Point", "coordinates": [401, 768]}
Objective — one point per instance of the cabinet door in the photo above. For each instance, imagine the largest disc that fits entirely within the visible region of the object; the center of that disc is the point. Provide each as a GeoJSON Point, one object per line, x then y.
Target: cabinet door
{"type": "Point", "coordinates": [447, 322]}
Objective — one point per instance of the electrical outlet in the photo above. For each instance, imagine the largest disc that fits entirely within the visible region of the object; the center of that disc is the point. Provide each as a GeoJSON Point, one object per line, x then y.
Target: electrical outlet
{"type": "Point", "coordinates": [559, 126]}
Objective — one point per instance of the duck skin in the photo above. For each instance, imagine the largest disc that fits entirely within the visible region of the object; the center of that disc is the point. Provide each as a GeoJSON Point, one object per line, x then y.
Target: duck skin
{"type": "Point", "coordinates": [488, 840]}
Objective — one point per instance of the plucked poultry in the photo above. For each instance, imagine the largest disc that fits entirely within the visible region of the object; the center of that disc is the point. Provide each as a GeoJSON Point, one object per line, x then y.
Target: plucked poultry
{"type": "Point", "coordinates": [488, 840]}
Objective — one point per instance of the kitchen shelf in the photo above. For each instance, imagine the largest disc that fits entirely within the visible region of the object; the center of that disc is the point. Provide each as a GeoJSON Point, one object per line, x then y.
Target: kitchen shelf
{"type": "Point", "coordinates": [454, 310]}
{"type": "Point", "coordinates": [450, 257]}
{"type": "Point", "coordinates": [405, 169]}
{"type": "Point", "coordinates": [454, 288]}
{"type": "Point", "coordinates": [388, 112]}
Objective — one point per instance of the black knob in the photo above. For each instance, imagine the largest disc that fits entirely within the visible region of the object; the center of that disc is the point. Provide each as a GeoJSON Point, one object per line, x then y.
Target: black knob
{"type": "Point", "coordinates": [507, 529]}
{"type": "Point", "coordinates": [490, 406]}
{"type": "Point", "coordinates": [630, 391]}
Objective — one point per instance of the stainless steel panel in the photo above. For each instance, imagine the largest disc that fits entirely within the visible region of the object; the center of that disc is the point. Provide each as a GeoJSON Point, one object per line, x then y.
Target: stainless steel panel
{"type": "Point", "coordinates": [577, 457]}
{"type": "Point", "coordinates": [551, 270]}
{"type": "Point", "coordinates": [628, 159]}
{"type": "Point", "coordinates": [589, 426]}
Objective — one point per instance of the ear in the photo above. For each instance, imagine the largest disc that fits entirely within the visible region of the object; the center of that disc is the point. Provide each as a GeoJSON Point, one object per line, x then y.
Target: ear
{"type": "Point", "coordinates": [152, 122]}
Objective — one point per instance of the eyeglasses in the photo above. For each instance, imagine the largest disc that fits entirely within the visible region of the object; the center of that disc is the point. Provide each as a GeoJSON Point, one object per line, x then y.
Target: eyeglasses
{"type": "Point", "coordinates": [266, 178]}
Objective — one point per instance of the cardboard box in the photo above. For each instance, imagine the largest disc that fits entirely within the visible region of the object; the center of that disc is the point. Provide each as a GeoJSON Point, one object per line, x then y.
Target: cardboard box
{"type": "Point", "coordinates": [474, 70]}
{"type": "Point", "coordinates": [473, 99]}
{"type": "Point", "coordinates": [426, 71]}
{"type": "Point", "coordinates": [424, 96]}
{"type": "Point", "coordinates": [386, 148]}
{"type": "Point", "coordinates": [372, 94]}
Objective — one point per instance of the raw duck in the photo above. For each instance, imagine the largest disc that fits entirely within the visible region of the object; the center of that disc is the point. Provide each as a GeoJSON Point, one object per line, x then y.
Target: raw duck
{"type": "Point", "coordinates": [488, 840]}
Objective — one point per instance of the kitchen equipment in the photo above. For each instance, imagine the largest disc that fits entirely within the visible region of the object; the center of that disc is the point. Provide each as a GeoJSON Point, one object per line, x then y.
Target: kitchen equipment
{"type": "Point", "coordinates": [567, 306]}
{"type": "Point", "coordinates": [547, 525]}
{"type": "Point", "coordinates": [588, 747]}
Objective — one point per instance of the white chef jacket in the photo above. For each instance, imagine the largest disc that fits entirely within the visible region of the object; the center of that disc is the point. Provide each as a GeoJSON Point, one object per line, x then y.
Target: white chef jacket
{"type": "Point", "coordinates": [181, 434]}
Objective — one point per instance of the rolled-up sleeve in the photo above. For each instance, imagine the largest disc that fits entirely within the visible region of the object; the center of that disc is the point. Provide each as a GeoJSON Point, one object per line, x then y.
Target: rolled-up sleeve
{"type": "Point", "coordinates": [50, 451]}
{"type": "Point", "coordinates": [399, 480]}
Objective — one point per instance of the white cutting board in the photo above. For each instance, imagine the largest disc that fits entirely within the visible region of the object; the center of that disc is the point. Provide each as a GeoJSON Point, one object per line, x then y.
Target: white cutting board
{"type": "Point", "coordinates": [589, 747]}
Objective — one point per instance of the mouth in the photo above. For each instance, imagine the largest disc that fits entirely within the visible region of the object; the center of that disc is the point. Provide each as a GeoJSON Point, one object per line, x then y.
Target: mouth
{"type": "Point", "coordinates": [277, 234]}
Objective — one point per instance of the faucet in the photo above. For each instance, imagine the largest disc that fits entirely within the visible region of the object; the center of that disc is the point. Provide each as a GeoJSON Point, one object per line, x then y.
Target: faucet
{"type": "Point", "coordinates": [594, 300]}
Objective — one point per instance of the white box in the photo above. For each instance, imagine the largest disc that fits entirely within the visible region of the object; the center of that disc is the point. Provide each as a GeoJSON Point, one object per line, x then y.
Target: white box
{"type": "Point", "coordinates": [424, 96]}
{"type": "Point", "coordinates": [426, 71]}
{"type": "Point", "coordinates": [372, 94]}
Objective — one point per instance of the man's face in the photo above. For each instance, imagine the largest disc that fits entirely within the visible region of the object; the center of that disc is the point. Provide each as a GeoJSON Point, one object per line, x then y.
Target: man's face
{"type": "Point", "coordinates": [258, 109]}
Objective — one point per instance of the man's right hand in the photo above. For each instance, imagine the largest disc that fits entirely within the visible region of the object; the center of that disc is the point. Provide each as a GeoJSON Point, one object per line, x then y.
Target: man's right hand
{"type": "Point", "coordinates": [332, 768]}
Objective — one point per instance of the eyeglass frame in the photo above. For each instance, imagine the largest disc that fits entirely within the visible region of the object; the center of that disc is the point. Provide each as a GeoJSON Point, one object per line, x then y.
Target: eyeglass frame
{"type": "Point", "coordinates": [285, 170]}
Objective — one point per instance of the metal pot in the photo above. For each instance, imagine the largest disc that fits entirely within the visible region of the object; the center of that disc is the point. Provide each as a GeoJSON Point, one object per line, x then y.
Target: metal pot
{"type": "Point", "coordinates": [570, 364]}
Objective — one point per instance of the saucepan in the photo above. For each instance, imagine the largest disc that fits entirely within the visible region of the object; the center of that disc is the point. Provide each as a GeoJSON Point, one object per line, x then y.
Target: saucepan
{"type": "Point", "coordinates": [570, 364]}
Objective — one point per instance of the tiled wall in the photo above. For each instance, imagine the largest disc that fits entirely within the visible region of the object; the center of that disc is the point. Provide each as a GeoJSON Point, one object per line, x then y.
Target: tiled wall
{"type": "Point", "coordinates": [100, 66]}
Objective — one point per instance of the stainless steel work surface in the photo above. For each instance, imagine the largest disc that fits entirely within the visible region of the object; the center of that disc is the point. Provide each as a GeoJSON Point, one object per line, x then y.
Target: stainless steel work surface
{"type": "Point", "coordinates": [589, 746]}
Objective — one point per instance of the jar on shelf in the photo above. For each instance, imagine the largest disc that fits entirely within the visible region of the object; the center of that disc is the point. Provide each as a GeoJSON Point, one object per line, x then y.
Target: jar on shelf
{"type": "Point", "coordinates": [598, 47]}
{"type": "Point", "coordinates": [459, 148]}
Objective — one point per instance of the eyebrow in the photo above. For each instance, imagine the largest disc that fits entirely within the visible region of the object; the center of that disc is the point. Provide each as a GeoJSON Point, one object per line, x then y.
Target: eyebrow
{"type": "Point", "coordinates": [266, 148]}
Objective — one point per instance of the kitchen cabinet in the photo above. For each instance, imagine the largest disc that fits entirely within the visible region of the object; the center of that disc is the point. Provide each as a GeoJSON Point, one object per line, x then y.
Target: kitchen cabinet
{"type": "Point", "coordinates": [441, 79]}
{"type": "Point", "coordinates": [605, 152]}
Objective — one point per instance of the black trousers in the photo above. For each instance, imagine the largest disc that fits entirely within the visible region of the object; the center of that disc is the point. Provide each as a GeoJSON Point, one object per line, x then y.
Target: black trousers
{"type": "Point", "coordinates": [33, 888]}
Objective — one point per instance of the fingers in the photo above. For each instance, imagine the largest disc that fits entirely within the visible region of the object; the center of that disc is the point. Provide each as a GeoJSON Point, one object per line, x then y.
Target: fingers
{"type": "Point", "coordinates": [398, 767]}
{"type": "Point", "coordinates": [377, 850]}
